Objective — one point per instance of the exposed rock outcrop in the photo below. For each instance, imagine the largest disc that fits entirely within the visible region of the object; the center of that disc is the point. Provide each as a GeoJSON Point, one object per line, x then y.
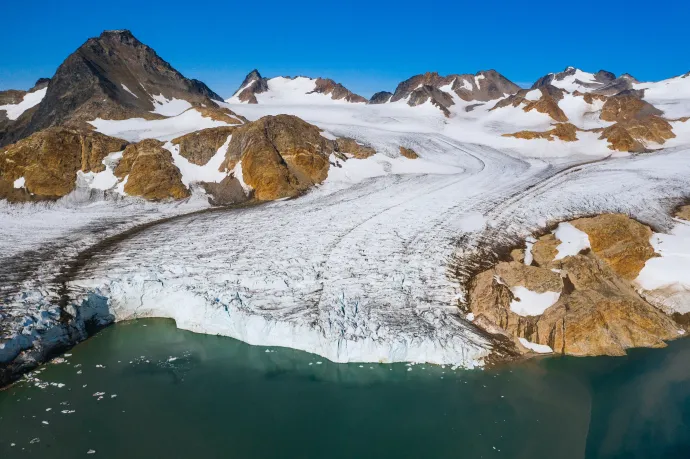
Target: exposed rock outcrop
{"type": "Point", "coordinates": [482, 86]}
{"type": "Point", "coordinates": [633, 135]}
{"type": "Point", "coordinates": [381, 97]}
{"type": "Point", "coordinates": [353, 148]}
{"type": "Point", "coordinates": [547, 103]}
{"type": "Point", "coordinates": [200, 146]}
{"type": "Point", "coordinates": [337, 91]}
{"type": "Point", "coordinates": [408, 153]}
{"type": "Point", "coordinates": [48, 162]}
{"type": "Point", "coordinates": [563, 131]}
{"type": "Point", "coordinates": [281, 156]}
{"type": "Point", "coordinates": [149, 172]}
{"type": "Point", "coordinates": [626, 107]}
{"type": "Point", "coordinates": [596, 312]}
{"type": "Point", "coordinates": [252, 85]}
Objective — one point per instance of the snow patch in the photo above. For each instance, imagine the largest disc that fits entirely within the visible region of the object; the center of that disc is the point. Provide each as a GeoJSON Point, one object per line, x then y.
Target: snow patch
{"type": "Point", "coordinates": [169, 107]}
{"type": "Point", "coordinates": [19, 183]}
{"type": "Point", "coordinates": [666, 279]}
{"type": "Point", "coordinates": [538, 348]}
{"type": "Point", "coordinates": [30, 99]}
{"type": "Point", "coordinates": [529, 303]}
{"type": "Point", "coordinates": [137, 129]}
{"type": "Point", "coordinates": [573, 241]}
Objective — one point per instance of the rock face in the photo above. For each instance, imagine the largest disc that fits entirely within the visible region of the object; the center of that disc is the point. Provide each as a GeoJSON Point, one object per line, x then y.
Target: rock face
{"type": "Point", "coordinates": [626, 107]}
{"type": "Point", "coordinates": [281, 156]}
{"type": "Point", "coordinates": [149, 172]}
{"type": "Point", "coordinates": [48, 162]}
{"type": "Point", "coordinates": [482, 86]}
{"type": "Point", "coordinates": [113, 76]}
{"type": "Point", "coordinates": [633, 135]}
{"type": "Point", "coordinates": [337, 91]}
{"type": "Point", "coordinates": [563, 131]}
{"type": "Point", "coordinates": [598, 80]}
{"type": "Point", "coordinates": [381, 97]}
{"type": "Point", "coordinates": [597, 311]}
{"type": "Point", "coordinates": [252, 85]}
{"type": "Point", "coordinates": [200, 146]}
{"type": "Point", "coordinates": [547, 103]}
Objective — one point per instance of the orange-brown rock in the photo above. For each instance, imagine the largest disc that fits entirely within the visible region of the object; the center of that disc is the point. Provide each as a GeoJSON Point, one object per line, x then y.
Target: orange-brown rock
{"type": "Point", "coordinates": [623, 243]}
{"type": "Point", "coordinates": [626, 107]}
{"type": "Point", "coordinates": [549, 106]}
{"type": "Point", "coordinates": [547, 103]}
{"type": "Point", "coordinates": [281, 156]}
{"type": "Point", "coordinates": [352, 147]}
{"type": "Point", "coordinates": [150, 172]}
{"type": "Point", "coordinates": [408, 153]}
{"type": "Point", "coordinates": [200, 146]}
{"type": "Point", "coordinates": [544, 250]}
{"type": "Point", "coordinates": [598, 313]}
{"type": "Point", "coordinates": [336, 90]}
{"type": "Point", "coordinates": [50, 159]}
{"type": "Point", "coordinates": [632, 135]}
{"type": "Point", "coordinates": [590, 97]}
{"type": "Point", "coordinates": [563, 131]}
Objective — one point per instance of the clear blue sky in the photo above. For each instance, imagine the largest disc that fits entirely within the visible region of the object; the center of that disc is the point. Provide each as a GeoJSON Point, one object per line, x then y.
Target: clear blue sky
{"type": "Point", "coordinates": [366, 45]}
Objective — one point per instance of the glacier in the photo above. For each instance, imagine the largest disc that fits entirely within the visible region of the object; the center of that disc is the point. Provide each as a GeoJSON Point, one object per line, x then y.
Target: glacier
{"type": "Point", "coordinates": [370, 266]}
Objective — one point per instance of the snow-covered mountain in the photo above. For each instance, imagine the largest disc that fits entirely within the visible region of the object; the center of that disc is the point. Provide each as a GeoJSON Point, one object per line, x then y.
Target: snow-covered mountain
{"type": "Point", "coordinates": [377, 215]}
{"type": "Point", "coordinates": [292, 90]}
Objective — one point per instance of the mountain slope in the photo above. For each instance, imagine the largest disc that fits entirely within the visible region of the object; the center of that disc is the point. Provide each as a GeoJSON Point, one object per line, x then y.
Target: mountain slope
{"type": "Point", "coordinates": [257, 89]}
{"type": "Point", "coordinates": [113, 76]}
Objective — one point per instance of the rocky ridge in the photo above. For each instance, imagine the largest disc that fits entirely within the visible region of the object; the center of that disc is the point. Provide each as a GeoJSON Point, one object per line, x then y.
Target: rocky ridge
{"type": "Point", "coordinates": [581, 284]}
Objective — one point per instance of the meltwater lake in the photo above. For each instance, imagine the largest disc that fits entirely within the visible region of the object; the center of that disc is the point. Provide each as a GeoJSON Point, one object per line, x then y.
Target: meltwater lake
{"type": "Point", "coordinates": [145, 389]}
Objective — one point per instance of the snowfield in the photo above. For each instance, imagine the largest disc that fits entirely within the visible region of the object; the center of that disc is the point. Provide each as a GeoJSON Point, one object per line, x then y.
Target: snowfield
{"type": "Point", "coordinates": [369, 266]}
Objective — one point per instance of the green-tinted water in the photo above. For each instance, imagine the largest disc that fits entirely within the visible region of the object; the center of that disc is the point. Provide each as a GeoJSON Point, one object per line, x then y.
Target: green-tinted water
{"type": "Point", "coordinates": [180, 394]}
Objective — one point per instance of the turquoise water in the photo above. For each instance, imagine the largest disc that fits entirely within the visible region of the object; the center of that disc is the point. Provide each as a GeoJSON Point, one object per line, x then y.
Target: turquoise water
{"type": "Point", "coordinates": [186, 395]}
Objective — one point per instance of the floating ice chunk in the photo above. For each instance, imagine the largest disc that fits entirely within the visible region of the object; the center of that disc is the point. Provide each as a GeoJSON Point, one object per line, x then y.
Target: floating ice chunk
{"type": "Point", "coordinates": [538, 348]}
{"type": "Point", "coordinates": [529, 303]}
{"type": "Point", "coordinates": [572, 240]}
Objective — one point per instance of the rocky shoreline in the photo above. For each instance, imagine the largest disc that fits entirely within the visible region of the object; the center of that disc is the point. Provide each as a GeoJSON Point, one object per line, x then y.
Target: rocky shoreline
{"type": "Point", "coordinates": [578, 290]}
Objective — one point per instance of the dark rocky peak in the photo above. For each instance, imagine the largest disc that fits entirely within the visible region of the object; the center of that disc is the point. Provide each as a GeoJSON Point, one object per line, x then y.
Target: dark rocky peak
{"type": "Point", "coordinates": [40, 84]}
{"type": "Point", "coordinates": [112, 76]}
{"type": "Point", "coordinates": [406, 88]}
{"type": "Point", "coordinates": [252, 85]}
{"type": "Point", "coordinates": [604, 76]}
{"type": "Point", "coordinates": [381, 97]}
{"type": "Point", "coordinates": [483, 86]}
